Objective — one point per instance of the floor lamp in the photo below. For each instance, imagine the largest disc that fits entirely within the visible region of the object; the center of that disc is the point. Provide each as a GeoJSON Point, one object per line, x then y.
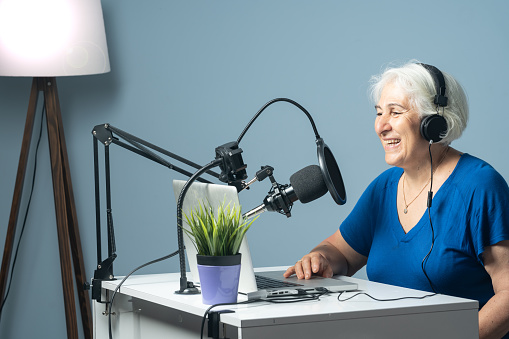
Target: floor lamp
{"type": "Point", "coordinates": [43, 40]}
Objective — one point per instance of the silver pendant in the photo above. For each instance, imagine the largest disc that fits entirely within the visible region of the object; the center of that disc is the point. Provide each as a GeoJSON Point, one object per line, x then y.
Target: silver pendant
{"type": "Point", "coordinates": [405, 211]}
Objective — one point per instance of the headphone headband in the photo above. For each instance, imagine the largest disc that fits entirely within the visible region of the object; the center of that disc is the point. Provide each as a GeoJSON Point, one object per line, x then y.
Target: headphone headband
{"type": "Point", "coordinates": [434, 126]}
{"type": "Point", "coordinates": [438, 78]}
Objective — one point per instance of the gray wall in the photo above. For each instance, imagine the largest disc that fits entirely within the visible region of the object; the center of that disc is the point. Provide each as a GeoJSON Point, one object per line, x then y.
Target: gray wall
{"type": "Point", "coordinates": [188, 76]}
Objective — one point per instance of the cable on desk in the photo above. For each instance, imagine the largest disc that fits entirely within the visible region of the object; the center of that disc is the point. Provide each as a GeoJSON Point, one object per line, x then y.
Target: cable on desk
{"type": "Point", "coordinates": [378, 299]}
{"type": "Point", "coordinates": [304, 296]}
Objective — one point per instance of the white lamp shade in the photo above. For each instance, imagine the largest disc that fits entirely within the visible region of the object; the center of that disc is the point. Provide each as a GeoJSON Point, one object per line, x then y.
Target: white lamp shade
{"type": "Point", "coordinates": [47, 38]}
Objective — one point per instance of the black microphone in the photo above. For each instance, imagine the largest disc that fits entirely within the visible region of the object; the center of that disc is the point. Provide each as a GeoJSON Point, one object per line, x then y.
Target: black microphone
{"type": "Point", "coordinates": [305, 185]}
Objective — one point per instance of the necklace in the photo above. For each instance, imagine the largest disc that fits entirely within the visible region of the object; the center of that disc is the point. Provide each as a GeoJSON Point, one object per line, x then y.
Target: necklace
{"type": "Point", "coordinates": [405, 210]}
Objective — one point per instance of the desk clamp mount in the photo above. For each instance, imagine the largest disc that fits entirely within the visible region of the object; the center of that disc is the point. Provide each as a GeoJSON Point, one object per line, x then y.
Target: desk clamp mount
{"type": "Point", "coordinates": [214, 323]}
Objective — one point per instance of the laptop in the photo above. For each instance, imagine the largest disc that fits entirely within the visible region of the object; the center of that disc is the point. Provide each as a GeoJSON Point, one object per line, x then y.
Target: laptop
{"type": "Point", "coordinates": [255, 286]}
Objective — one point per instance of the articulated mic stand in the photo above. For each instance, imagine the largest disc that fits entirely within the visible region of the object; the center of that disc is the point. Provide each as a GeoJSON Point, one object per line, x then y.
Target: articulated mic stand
{"type": "Point", "coordinates": [233, 171]}
{"type": "Point", "coordinates": [107, 135]}
{"type": "Point", "coordinates": [67, 223]}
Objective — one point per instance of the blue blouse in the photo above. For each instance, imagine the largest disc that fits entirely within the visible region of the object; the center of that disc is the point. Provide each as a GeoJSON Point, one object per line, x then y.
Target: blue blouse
{"type": "Point", "coordinates": [469, 212]}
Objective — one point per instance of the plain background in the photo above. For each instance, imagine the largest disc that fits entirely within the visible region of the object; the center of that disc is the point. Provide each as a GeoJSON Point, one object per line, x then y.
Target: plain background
{"type": "Point", "coordinates": [189, 75]}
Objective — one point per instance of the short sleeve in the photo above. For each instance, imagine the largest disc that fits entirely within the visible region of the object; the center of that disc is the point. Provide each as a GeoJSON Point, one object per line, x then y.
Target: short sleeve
{"type": "Point", "coordinates": [358, 228]}
{"type": "Point", "coordinates": [490, 210]}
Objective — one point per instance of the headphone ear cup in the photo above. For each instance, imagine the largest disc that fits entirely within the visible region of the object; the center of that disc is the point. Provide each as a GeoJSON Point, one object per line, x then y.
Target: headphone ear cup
{"type": "Point", "coordinates": [433, 127]}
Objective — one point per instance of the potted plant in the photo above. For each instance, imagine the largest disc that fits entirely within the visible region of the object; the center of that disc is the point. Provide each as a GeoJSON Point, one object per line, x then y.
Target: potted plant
{"type": "Point", "coordinates": [217, 236]}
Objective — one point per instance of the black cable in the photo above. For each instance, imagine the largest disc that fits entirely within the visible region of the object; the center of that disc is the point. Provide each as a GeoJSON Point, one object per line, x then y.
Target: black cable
{"type": "Point", "coordinates": [302, 296]}
{"type": "Point", "coordinates": [222, 304]}
{"type": "Point", "coordinates": [430, 197]}
{"type": "Point", "coordinates": [377, 299]}
{"type": "Point", "coordinates": [270, 103]}
{"type": "Point", "coordinates": [26, 212]}
{"type": "Point", "coordinates": [276, 300]}
{"type": "Point", "coordinates": [294, 299]}
{"type": "Point", "coordinates": [299, 298]}
{"type": "Point", "coordinates": [125, 278]}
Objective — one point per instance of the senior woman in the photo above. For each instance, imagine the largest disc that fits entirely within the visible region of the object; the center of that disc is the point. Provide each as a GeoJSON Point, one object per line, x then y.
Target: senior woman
{"type": "Point", "coordinates": [453, 241]}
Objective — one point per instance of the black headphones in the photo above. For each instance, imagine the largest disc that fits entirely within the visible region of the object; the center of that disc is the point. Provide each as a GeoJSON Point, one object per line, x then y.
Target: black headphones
{"type": "Point", "coordinates": [435, 125]}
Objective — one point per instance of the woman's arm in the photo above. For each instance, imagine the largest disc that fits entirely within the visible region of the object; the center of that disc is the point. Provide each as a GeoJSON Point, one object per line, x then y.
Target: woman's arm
{"type": "Point", "coordinates": [494, 316]}
{"type": "Point", "coordinates": [331, 256]}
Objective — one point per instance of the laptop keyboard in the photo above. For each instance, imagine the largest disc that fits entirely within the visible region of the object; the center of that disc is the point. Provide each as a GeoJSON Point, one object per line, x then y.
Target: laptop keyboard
{"type": "Point", "coordinates": [265, 282]}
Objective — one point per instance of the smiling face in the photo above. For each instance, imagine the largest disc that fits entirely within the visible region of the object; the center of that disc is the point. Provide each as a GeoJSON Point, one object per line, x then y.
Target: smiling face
{"type": "Point", "coordinates": [397, 125]}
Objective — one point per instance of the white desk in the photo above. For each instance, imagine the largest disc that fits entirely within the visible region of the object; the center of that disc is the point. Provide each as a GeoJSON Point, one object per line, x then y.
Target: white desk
{"type": "Point", "coordinates": [148, 308]}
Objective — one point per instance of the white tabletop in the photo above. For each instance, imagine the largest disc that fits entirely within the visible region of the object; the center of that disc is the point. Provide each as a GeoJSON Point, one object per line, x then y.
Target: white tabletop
{"type": "Point", "coordinates": [160, 289]}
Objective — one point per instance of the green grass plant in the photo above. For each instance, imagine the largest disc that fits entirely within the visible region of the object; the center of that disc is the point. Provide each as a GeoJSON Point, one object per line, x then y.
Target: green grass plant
{"type": "Point", "coordinates": [217, 233]}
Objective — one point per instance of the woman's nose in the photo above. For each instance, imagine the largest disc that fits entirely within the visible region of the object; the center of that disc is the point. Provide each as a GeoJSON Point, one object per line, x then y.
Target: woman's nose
{"type": "Point", "coordinates": [382, 123]}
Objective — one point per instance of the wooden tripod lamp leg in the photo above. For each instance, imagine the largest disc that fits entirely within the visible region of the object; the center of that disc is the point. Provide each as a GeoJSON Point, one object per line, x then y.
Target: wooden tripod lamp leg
{"type": "Point", "coordinates": [69, 241]}
{"type": "Point", "coordinates": [67, 225]}
{"type": "Point", "coordinates": [18, 189]}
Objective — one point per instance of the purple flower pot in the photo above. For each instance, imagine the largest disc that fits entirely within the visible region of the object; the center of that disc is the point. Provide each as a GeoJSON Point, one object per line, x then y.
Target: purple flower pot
{"type": "Point", "coordinates": [219, 278]}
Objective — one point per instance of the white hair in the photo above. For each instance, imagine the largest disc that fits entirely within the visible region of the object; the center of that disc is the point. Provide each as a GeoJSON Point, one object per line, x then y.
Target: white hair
{"type": "Point", "coordinates": [419, 85]}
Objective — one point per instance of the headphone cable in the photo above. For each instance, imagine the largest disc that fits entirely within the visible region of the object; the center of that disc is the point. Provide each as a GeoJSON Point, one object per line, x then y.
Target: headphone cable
{"type": "Point", "coordinates": [430, 198]}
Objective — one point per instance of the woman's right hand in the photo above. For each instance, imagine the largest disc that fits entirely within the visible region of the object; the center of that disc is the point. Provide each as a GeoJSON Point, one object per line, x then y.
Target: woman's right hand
{"type": "Point", "coordinates": [331, 256]}
{"type": "Point", "coordinates": [311, 264]}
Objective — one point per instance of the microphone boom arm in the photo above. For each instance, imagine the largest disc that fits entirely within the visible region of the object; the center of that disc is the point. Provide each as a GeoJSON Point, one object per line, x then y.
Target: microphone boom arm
{"type": "Point", "coordinates": [105, 135]}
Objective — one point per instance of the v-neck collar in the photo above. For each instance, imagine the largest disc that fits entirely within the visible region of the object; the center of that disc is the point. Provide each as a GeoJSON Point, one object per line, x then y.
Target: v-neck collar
{"type": "Point", "coordinates": [397, 228]}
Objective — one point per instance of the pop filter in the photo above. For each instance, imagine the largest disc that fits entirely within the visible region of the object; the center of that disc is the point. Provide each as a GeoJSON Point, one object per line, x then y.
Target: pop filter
{"type": "Point", "coordinates": [330, 171]}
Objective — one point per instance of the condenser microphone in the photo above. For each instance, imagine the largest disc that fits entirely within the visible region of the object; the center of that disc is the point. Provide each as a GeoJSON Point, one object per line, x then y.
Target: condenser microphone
{"type": "Point", "coordinates": [305, 185]}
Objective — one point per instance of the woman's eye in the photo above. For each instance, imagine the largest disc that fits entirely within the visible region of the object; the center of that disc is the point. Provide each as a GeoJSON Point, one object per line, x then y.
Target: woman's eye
{"type": "Point", "coordinates": [395, 113]}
